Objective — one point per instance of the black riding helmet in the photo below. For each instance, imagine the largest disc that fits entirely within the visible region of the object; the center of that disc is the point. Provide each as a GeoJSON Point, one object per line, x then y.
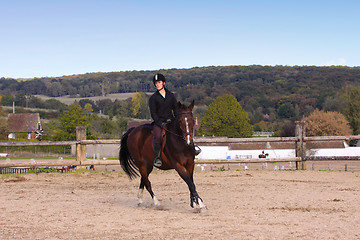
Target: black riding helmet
{"type": "Point", "coordinates": [158, 77]}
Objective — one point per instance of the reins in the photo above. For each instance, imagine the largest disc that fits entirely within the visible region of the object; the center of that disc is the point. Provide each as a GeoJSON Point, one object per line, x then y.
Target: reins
{"type": "Point", "coordinates": [174, 133]}
{"type": "Point", "coordinates": [181, 136]}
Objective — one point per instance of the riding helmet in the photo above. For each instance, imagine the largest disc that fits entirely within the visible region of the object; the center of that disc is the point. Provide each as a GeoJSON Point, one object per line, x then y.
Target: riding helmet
{"type": "Point", "coordinates": [158, 77]}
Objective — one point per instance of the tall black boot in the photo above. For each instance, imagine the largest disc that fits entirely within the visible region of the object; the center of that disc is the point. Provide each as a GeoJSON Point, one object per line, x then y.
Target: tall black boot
{"type": "Point", "coordinates": [197, 150]}
{"type": "Point", "coordinates": [157, 161]}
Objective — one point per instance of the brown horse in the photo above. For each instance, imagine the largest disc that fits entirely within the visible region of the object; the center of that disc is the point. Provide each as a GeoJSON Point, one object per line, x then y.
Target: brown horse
{"type": "Point", "coordinates": [178, 152]}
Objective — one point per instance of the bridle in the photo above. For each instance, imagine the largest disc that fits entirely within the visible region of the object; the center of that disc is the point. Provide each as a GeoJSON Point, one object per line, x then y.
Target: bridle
{"type": "Point", "coordinates": [187, 130]}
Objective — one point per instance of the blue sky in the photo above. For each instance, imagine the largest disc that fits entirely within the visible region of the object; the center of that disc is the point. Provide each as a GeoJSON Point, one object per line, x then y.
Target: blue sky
{"type": "Point", "coordinates": [55, 38]}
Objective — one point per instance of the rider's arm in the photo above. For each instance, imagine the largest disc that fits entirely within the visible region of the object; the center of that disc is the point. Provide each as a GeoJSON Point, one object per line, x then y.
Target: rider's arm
{"type": "Point", "coordinates": [153, 113]}
{"type": "Point", "coordinates": [174, 106]}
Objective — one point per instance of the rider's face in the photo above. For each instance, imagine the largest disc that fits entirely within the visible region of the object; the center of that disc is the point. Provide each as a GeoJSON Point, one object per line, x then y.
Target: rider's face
{"type": "Point", "coordinates": [159, 85]}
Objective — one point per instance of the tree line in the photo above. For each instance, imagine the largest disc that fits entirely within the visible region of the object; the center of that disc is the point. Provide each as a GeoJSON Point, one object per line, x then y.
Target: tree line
{"type": "Point", "coordinates": [243, 82]}
{"type": "Point", "coordinates": [272, 97]}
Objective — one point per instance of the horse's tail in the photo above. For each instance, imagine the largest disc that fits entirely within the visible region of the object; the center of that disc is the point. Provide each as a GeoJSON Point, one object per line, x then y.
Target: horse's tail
{"type": "Point", "coordinates": [126, 161]}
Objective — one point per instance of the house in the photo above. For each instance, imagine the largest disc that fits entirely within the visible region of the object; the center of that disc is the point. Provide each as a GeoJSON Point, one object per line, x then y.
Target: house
{"type": "Point", "coordinates": [24, 123]}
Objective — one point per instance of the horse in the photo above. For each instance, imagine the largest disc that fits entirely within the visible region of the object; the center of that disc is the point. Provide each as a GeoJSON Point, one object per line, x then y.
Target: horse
{"type": "Point", "coordinates": [263, 155]}
{"type": "Point", "coordinates": [70, 168]}
{"type": "Point", "coordinates": [177, 152]}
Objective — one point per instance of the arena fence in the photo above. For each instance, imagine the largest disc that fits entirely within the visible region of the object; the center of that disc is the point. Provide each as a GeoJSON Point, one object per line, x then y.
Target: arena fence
{"type": "Point", "coordinates": [81, 142]}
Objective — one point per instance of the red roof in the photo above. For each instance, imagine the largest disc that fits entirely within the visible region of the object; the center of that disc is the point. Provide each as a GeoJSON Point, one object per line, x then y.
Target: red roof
{"type": "Point", "coordinates": [23, 122]}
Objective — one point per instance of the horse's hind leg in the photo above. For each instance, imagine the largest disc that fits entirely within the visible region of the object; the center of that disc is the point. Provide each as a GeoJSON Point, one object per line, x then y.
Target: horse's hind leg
{"type": "Point", "coordinates": [141, 192]}
{"type": "Point", "coordinates": [149, 189]}
{"type": "Point", "coordinates": [145, 182]}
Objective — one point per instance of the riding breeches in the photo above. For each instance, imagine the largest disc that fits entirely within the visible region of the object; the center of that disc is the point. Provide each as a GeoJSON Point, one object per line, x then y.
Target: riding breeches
{"type": "Point", "coordinates": [157, 133]}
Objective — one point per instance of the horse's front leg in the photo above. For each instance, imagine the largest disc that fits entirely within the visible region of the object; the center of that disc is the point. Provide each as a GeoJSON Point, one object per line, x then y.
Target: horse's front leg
{"type": "Point", "coordinates": [194, 196]}
{"type": "Point", "coordinates": [198, 201]}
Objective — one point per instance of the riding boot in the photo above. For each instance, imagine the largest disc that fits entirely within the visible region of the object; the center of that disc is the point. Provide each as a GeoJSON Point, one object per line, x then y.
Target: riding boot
{"type": "Point", "coordinates": [157, 161]}
{"type": "Point", "coordinates": [197, 150]}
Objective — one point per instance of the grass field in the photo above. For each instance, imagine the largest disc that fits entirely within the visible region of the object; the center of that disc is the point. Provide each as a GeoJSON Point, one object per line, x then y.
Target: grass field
{"type": "Point", "coordinates": [69, 100]}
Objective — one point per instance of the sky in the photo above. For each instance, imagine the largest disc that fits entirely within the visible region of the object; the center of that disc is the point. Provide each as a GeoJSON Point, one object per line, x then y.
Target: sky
{"type": "Point", "coordinates": [50, 38]}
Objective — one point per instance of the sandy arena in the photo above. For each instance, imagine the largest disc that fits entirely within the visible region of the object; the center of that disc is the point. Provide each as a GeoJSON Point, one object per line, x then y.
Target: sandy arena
{"type": "Point", "coordinates": [242, 205]}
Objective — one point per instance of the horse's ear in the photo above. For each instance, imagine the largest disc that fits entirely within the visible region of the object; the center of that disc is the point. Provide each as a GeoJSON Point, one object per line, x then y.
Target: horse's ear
{"type": "Point", "coordinates": [191, 106]}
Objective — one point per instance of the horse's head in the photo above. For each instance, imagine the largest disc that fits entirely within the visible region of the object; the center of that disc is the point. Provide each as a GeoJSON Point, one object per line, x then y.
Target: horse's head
{"type": "Point", "coordinates": [186, 121]}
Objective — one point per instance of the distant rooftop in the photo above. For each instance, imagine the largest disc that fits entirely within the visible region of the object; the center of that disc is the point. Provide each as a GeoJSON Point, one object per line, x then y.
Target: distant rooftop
{"type": "Point", "coordinates": [23, 122]}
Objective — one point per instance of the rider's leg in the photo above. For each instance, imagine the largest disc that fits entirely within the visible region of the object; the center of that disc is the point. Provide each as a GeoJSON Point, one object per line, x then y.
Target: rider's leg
{"type": "Point", "coordinates": [157, 145]}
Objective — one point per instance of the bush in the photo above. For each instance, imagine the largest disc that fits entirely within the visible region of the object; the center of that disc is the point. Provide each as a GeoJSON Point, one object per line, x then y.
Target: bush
{"type": "Point", "coordinates": [320, 123]}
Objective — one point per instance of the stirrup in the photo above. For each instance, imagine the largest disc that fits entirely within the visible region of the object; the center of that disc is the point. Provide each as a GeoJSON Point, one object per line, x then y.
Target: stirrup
{"type": "Point", "coordinates": [157, 162]}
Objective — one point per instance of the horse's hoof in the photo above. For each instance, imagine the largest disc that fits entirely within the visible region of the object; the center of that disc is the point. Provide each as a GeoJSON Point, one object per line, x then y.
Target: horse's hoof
{"type": "Point", "coordinates": [159, 207]}
{"type": "Point", "coordinates": [196, 210]}
{"type": "Point", "coordinates": [157, 162]}
{"type": "Point", "coordinates": [204, 210]}
{"type": "Point", "coordinates": [201, 211]}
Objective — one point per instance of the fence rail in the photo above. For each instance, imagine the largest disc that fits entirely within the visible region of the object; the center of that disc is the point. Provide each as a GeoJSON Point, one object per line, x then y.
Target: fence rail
{"type": "Point", "coordinates": [41, 143]}
{"type": "Point", "coordinates": [56, 163]}
{"type": "Point", "coordinates": [81, 143]}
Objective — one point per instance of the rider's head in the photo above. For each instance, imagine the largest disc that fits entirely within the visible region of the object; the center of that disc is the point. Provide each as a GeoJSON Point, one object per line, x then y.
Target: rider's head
{"type": "Point", "coordinates": [159, 77]}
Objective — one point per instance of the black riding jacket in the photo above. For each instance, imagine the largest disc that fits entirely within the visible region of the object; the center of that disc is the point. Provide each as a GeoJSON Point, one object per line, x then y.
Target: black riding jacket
{"type": "Point", "coordinates": [162, 109]}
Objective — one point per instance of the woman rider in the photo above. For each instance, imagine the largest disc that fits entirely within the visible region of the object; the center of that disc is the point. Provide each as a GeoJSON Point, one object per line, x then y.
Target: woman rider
{"type": "Point", "coordinates": [163, 108]}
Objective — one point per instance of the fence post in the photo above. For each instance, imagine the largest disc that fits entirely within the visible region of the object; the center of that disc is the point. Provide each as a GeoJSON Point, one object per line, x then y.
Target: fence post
{"type": "Point", "coordinates": [80, 148]}
{"type": "Point", "coordinates": [300, 144]}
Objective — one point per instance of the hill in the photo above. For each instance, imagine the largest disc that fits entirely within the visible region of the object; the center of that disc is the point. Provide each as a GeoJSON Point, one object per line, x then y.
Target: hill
{"type": "Point", "coordinates": [265, 92]}
{"type": "Point", "coordinates": [242, 81]}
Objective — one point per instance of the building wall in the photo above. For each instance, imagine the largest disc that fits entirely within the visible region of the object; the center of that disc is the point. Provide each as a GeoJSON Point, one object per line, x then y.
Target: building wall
{"type": "Point", "coordinates": [223, 152]}
{"type": "Point", "coordinates": [101, 151]}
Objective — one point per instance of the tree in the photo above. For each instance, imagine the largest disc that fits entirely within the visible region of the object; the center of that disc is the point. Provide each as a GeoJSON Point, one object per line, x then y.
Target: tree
{"type": "Point", "coordinates": [3, 124]}
{"type": "Point", "coordinates": [71, 119]}
{"type": "Point", "coordinates": [55, 89]}
{"type": "Point", "coordinates": [122, 108]}
{"type": "Point", "coordinates": [226, 117]}
{"type": "Point", "coordinates": [88, 107]}
{"type": "Point", "coordinates": [139, 106]}
{"type": "Point", "coordinates": [83, 102]}
{"type": "Point", "coordinates": [286, 110]}
{"type": "Point", "coordinates": [352, 108]}
{"type": "Point", "coordinates": [7, 100]}
{"type": "Point", "coordinates": [54, 104]}
{"type": "Point", "coordinates": [321, 123]}
{"type": "Point", "coordinates": [105, 128]}
{"type": "Point", "coordinates": [288, 130]}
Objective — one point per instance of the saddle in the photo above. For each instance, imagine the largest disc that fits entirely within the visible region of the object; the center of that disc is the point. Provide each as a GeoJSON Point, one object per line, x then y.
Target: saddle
{"type": "Point", "coordinates": [163, 137]}
{"type": "Point", "coordinates": [163, 134]}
